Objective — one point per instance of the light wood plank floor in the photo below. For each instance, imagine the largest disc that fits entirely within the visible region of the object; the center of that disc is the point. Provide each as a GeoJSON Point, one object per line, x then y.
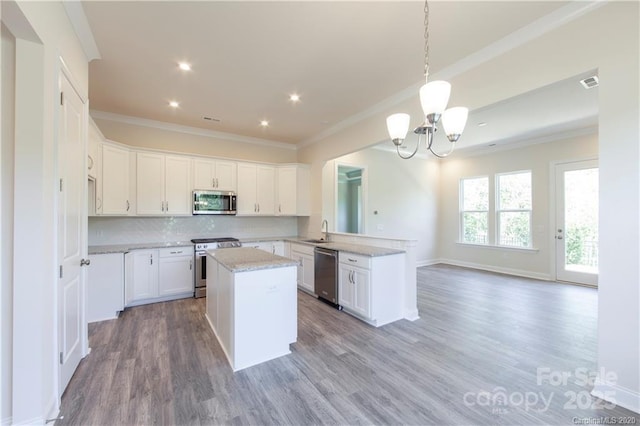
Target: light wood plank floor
{"type": "Point", "coordinates": [479, 334]}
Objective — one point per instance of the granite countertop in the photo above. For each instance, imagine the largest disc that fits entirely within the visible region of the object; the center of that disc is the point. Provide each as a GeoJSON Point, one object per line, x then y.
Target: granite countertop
{"type": "Point", "coordinates": [124, 248]}
{"type": "Point", "coordinates": [243, 259]}
{"type": "Point", "coordinates": [360, 249]}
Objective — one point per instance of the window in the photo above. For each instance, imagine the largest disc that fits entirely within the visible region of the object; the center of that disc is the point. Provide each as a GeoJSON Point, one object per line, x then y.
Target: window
{"type": "Point", "coordinates": [513, 209]}
{"type": "Point", "coordinates": [474, 214]}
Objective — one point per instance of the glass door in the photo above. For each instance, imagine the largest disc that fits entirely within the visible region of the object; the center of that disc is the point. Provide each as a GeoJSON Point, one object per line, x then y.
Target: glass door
{"type": "Point", "coordinates": [576, 231]}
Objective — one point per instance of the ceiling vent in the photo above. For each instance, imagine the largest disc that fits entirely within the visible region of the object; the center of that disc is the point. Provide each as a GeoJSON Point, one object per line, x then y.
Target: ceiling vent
{"type": "Point", "coordinates": [215, 120]}
{"type": "Point", "coordinates": [590, 82]}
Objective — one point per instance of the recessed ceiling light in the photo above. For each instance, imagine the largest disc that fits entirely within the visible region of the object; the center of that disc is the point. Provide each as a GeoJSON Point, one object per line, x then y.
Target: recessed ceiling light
{"type": "Point", "coordinates": [264, 123]}
{"type": "Point", "coordinates": [482, 124]}
{"type": "Point", "coordinates": [184, 66]}
{"type": "Point", "coordinates": [174, 104]}
{"type": "Point", "coordinates": [294, 97]}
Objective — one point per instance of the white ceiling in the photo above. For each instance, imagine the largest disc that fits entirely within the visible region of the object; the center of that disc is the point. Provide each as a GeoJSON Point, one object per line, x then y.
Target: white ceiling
{"type": "Point", "coordinates": [341, 57]}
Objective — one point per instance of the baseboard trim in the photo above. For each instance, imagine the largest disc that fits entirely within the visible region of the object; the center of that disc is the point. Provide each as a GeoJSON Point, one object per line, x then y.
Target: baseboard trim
{"type": "Point", "coordinates": [6, 421]}
{"type": "Point", "coordinates": [411, 315]}
{"type": "Point", "coordinates": [500, 270]}
{"type": "Point", "coordinates": [427, 262]}
{"type": "Point", "coordinates": [622, 397]}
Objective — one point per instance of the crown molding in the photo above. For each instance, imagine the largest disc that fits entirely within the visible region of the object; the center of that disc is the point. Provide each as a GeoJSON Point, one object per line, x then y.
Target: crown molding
{"type": "Point", "coordinates": [535, 29]}
{"type": "Point", "coordinates": [81, 27]}
{"type": "Point", "coordinates": [161, 125]}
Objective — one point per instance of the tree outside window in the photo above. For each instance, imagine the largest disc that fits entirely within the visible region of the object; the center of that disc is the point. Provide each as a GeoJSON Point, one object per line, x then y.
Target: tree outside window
{"type": "Point", "coordinates": [513, 210]}
{"type": "Point", "coordinates": [475, 210]}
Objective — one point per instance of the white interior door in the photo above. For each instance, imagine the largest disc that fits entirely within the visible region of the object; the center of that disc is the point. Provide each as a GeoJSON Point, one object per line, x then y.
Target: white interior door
{"type": "Point", "coordinates": [576, 231]}
{"type": "Point", "coordinates": [71, 230]}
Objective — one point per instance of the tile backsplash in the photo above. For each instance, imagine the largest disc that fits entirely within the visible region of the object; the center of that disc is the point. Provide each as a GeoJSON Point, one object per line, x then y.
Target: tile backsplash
{"type": "Point", "coordinates": [125, 230]}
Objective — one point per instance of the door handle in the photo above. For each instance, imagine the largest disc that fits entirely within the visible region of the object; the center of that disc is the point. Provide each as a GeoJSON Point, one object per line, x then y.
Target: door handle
{"type": "Point", "coordinates": [85, 262]}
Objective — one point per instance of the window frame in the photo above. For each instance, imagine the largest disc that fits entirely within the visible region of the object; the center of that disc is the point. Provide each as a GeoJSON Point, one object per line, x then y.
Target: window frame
{"type": "Point", "coordinates": [462, 211]}
{"type": "Point", "coordinates": [499, 210]}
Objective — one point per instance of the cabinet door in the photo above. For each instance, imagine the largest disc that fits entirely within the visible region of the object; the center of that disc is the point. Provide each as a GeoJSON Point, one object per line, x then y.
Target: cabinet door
{"type": "Point", "coordinates": [141, 275]}
{"type": "Point", "coordinates": [247, 175]}
{"type": "Point", "coordinates": [345, 287]}
{"type": "Point", "coordinates": [308, 273]}
{"type": "Point", "coordinates": [262, 245]}
{"type": "Point", "coordinates": [226, 172]}
{"type": "Point", "coordinates": [361, 297]}
{"type": "Point", "coordinates": [278, 248]}
{"type": "Point", "coordinates": [177, 186]}
{"type": "Point", "coordinates": [115, 181]}
{"type": "Point", "coordinates": [266, 190]}
{"type": "Point", "coordinates": [105, 286]}
{"type": "Point", "coordinates": [286, 205]}
{"type": "Point", "coordinates": [176, 275]}
{"type": "Point", "coordinates": [150, 183]}
{"type": "Point", "coordinates": [203, 174]}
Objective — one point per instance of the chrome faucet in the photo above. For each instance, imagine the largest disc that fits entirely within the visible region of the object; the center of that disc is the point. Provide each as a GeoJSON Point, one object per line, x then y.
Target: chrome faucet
{"type": "Point", "coordinates": [324, 228]}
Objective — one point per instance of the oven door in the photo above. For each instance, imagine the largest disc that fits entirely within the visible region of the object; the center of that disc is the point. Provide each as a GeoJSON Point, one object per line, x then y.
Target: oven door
{"type": "Point", "coordinates": [201, 274]}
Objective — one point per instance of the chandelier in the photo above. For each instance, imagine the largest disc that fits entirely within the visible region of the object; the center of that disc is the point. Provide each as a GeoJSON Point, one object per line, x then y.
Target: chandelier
{"type": "Point", "coordinates": [434, 97]}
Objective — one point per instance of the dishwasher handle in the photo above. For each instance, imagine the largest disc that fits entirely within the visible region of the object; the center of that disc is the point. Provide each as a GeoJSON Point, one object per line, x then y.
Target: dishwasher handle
{"type": "Point", "coordinates": [326, 252]}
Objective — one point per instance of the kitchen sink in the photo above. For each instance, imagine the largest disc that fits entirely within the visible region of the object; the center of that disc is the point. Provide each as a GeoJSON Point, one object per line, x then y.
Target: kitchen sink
{"type": "Point", "coordinates": [315, 241]}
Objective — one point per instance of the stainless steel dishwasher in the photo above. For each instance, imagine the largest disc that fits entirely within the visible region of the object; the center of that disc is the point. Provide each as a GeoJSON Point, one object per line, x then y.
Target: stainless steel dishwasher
{"type": "Point", "coordinates": [326, 275]}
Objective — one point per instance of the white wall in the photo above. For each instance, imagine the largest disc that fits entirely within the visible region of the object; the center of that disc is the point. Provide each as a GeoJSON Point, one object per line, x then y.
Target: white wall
{"type": "Point", "coordinates": [121, 230]}
{"type": "Point", "coordinates": [6, 222]}
{"type": "Point", "coordinates": [43, 34]}
{"type": "Point", "coordinates": [401, 198]}
{"type": "Point", "coordinates": [143, 136]}
{"type": "Point", "coordinates": [538, 159]}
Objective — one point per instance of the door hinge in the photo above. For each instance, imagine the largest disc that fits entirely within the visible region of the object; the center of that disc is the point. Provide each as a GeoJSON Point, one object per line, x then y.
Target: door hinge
{"type": "Point", "coordinates": [61, 358]}
{"type": "Point", "coordinates": [61, 183]}
{"type": "Point", "coordinates": [60, 272]}
{"type": "Point", "coordinates": [61, 98]}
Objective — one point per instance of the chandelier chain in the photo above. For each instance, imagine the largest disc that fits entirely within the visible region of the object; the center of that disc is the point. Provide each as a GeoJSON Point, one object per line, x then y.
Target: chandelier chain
{"type": "Point", "coordinates": [426, 41]}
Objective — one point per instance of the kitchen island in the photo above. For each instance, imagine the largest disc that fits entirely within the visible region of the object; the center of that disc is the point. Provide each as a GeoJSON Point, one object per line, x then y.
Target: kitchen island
{"type": "Point", "coordinates": [251, 304]}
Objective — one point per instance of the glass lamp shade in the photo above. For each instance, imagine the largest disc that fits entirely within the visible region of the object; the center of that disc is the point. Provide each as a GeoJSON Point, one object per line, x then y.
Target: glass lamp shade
{"type": "Point", "coordinates": [434, 97]}
{"type": "Point", "coordinates": [454, 120]}
{"type": "Point", "coordinates": [398, 126]}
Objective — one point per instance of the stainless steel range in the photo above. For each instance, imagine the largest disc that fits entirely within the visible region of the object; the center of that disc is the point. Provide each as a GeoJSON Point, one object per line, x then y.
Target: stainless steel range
{"type": "Point", "coordinates": [201, 246]}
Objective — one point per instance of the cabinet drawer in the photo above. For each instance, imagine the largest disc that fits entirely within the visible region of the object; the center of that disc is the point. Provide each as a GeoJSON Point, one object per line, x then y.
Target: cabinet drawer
{"type": "Point", "coordinates": [302, 248]}
{"type": "Point", "coordinates": [176, 251]}
{"type": "Point", "coordinates": [355, 260]}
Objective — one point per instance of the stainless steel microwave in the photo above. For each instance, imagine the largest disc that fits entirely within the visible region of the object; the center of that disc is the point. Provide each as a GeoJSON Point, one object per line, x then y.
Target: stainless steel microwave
{"type": "Point", "coordinates": [214, 202]}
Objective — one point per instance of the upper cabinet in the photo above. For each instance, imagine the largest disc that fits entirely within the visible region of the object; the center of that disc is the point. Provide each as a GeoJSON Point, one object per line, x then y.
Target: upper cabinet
{"type": "Point", "coordinates": [115, 181]}
{"type": "Point", "coordinates": [214, 174]}
{"type": "Point", "coordinates": [163, 184]}
{"type": "Point", "coordinates": [292, 191]}
{"type": "Point", "coordinates": [256, 189]}
{"type": "Point", "coordinates": [94, 154]}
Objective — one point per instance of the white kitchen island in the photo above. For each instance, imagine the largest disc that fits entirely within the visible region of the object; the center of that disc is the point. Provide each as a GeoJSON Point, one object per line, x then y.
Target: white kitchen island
{"type": "Point", "coordinates": [252, 304]}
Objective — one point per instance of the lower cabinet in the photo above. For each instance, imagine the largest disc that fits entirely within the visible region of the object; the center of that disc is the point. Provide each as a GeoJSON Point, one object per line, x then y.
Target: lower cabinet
{"type": "Point", "coordinates": [372, 288]}
{"type": "Point", "coordinates": [158, 274]}
{"type": "Point", "coordinates": [105, 286]}
{"type": "Point", "coordinates": [354, 288]}
{"type": "Point", "coordinates": [273, 247]}
{"type": "Point", "coordinates": [304, 255]}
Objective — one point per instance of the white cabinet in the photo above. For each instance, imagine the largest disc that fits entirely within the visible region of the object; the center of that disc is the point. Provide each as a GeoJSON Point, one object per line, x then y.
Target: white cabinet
{"type": "Point", "coordinates": [214, 174]}
{"type": "Point", "coordinates": [105, 286]}
{"type": "Point", "coordinates": [303, 254]}
{"type": "Point", "coordinates": [141, 275]}
{"type": "Point", "coordinates": [256, 189]}
{"type": "Point", "coordinates": [158, 274]}
{"type": "Point", "coordinates": [176, 271]}
{"type": "Point", "coordinates": [372, 288]}
{"type": "Point", "coordinates": [94, 154]}
{"type": "Point", "coordinates": [278, 248]}
{"type": "Point", "coordinates": [293, 191]}
{"type": "Point", "coordinates": [115, 181]}
{"type": "Point", "coordinates": [354, 289]}
{"type": "Point", "coordinates": [162, 184]}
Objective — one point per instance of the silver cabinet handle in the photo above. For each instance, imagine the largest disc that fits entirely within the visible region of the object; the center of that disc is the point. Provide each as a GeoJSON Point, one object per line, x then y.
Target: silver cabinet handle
{"type": "Point", "coordinates": [85, 262]}
{"type": "Point", "coordinates": [128, 205]}
{"type": "Point", "coordinates": [90, 158]}
{"type": "Point", "coordinates": [351, 260]}
{"type": "Point", "coordinates": [213, 182]}
{"type": "Point", "coordinates": [217, 183]}
{"type": "Point", "coordinates": [191, 265]}
{"type": "Point", "coordinates": [98, 203]}
{"type": "Point", "coordinates": [150, 259]}
{"type": "Point", "coordinates": [162, 206]}
{"type": "Point", "coordinates": [167, 206]}
{"type": "Point", "coordinates": [258, 207]}
{"type": "Point", "coordinates": [279, 208]}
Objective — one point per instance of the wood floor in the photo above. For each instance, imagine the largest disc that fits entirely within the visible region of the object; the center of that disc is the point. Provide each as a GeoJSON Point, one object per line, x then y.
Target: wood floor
{"type": "Point", "coordinates": [480, 336]}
